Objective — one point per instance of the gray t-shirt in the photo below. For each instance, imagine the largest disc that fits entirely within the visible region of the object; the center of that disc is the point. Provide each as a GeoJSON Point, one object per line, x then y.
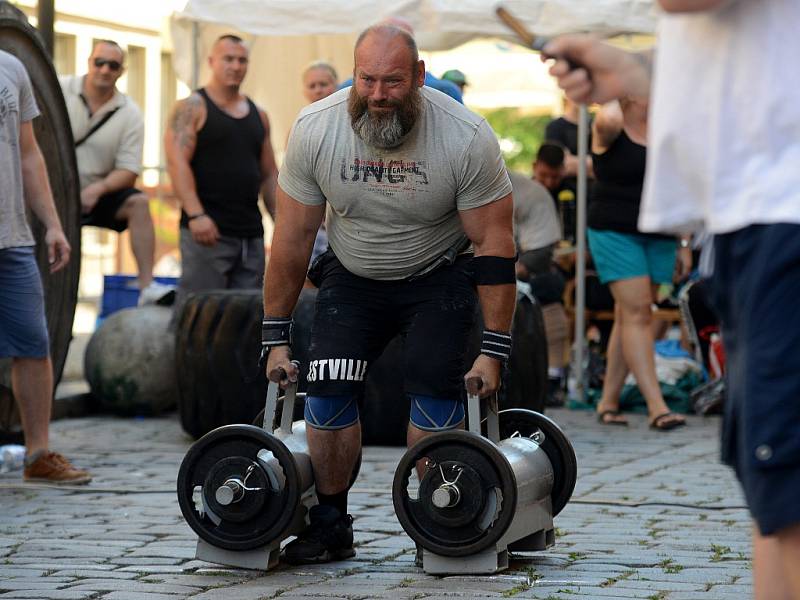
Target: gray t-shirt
{"type": "Point", "coordinates": [17, 105]}
{"type": "Point", "coordinates": [536, 223]}
{"type": "Point", "coordinates": [392, 212]}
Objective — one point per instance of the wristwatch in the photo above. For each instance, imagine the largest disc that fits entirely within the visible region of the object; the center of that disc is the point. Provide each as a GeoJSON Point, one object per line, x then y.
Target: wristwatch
{"type": "Point", "coordinates": [684, 242]}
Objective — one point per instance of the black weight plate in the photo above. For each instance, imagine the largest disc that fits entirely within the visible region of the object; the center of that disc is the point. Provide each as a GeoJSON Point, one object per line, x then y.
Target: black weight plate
{"type": "Point", "coordinates": [495, 473]}
{"type": "Point", "coordinates": [472, 500]}
{"type": "Point", "coordinates": [252, 501]}
{"type": "Point", "coordinates": [279, 506]}
{"type": "Point", "coordinates": [556, 446]}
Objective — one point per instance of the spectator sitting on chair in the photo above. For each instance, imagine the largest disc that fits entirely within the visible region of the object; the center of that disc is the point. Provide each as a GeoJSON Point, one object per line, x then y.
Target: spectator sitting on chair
{"type": "Point", "coordinates": [548, 167]}
{"type": "Point", "coordinates": [536, 232]}
{"type": "Point", "coordinates": [109, 133]}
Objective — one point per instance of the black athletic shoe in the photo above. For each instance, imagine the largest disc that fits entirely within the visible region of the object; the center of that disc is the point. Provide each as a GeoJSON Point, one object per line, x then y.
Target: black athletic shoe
{"type": "Point", "coordinates": [329, 537]}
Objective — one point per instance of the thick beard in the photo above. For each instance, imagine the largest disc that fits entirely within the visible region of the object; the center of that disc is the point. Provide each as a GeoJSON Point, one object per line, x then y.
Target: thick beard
{"type": "Point", "coordinates": [384, 130]}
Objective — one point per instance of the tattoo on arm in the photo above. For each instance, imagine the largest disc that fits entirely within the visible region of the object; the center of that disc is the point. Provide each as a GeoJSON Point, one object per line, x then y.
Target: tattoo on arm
{"type": "Point", "coordinates": [182, 122]}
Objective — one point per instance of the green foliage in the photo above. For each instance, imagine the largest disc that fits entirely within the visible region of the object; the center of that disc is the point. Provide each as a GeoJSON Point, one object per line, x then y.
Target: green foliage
{"type": "Point", "coordinates": [520, 135]}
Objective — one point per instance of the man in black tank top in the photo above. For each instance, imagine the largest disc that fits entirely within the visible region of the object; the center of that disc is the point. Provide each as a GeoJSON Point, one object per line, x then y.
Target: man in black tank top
{"type": "Point", "coordinates": [220, 157]}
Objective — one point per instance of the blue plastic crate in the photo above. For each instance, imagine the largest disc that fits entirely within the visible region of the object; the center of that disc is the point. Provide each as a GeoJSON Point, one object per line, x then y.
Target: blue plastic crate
{"type": "Point", "coordinates": [122, 291]}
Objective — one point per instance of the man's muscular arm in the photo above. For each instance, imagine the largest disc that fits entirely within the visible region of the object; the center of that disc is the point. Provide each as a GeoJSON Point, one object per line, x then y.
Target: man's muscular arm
{"type": "Point", "coordinates": [489, 227]}
{"type": "Point", "coordinates": [180, 142]}
{"type": "Point", "coordinates": [269, 169]}
{"type": "Point", "coordinates": [39, 197]}
{"type": "Point", "coordinates": [296, 227]}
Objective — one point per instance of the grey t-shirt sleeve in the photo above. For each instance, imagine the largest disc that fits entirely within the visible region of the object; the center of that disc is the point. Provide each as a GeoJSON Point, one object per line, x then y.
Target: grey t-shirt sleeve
{"type": "Point", "coordinates": [483, 176]}
{"type": "Point", "coordinates": [296, 176]}
{"type": "Point", "coordinates": [27, 102]}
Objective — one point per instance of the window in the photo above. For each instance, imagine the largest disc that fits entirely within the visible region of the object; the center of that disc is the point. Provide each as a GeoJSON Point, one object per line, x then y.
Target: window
{"type": "Point", "coordinates": [64, 54]}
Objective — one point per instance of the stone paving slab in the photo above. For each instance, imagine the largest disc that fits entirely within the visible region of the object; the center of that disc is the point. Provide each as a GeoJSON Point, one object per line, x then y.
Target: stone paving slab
{"type": "Point", "coordinates": [653, 516]}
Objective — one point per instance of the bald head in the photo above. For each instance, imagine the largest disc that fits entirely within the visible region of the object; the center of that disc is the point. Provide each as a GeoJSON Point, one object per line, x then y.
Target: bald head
{"type": "Point", "coordinates": [400, 23]}
{"type": "Point", "coordinates": [228, 61]}
{"type": "Point", "coordinates": [388, 37]}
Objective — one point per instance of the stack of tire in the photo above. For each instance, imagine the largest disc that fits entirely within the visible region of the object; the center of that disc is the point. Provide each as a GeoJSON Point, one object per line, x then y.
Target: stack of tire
{"type": "Point", "coordinates": [219, 382]}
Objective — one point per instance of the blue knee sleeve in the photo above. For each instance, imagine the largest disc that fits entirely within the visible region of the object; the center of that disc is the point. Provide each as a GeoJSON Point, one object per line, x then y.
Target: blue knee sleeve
{"type": "Point", "coordinates": [331, 412]}
{"type": "Point", "coordinates": [435, 414]}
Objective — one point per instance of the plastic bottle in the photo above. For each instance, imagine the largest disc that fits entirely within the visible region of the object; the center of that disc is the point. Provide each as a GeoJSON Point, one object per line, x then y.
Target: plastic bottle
{"type": "Point", "coordinates": [12, 457]}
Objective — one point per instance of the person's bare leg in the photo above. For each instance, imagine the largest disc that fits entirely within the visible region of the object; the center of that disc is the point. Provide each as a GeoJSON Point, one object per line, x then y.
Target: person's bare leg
{"type": "Point", "coordinates": [136, 211]}
{"type": "Point", "coordinates": [413, 435]}
{"type": "Point", "coordinates": [32, 384]}
{"type": "Point", "coordinates": [634, 298]}
{"type": "Point", "coordinates": [770, 569]}
{"type": "Point", "coordinates": [333, 455]}
{"type": "Point", "coordinates": [616, 370]}
{"type": "Point", "coordinates": [789, 548]}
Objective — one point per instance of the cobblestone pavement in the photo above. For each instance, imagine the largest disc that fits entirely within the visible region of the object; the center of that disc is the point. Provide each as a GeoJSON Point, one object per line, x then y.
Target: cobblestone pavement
{"type": "Point", "coordinates": [654, 515]}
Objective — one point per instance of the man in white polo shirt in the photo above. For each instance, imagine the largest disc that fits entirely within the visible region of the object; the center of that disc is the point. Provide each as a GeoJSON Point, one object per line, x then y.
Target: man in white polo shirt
{"type": "Point", "coordinates": [109, 133]}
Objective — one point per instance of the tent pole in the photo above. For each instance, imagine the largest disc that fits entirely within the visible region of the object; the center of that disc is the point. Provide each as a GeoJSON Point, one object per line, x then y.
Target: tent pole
{"type": "Point", "coordinates": [580, 258]}
{"type": "Point", "coordinates": [195, 55]}
{"type": "Point", "coordinates": [46, 15]}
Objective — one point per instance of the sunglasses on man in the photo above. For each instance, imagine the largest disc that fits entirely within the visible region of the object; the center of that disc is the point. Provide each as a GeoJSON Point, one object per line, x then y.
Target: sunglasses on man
{"type": "Point", "coordinates": [112, 64]}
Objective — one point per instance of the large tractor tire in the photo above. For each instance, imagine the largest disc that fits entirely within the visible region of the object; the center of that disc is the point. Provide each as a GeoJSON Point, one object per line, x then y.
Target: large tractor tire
{"type": "Point", "coordinates": [216, 354]}
{"type": "Point", "coordinates": [54, 136]}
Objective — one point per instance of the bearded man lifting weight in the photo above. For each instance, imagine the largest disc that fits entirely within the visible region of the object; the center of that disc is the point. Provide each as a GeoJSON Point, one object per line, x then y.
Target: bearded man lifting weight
{"type": "Point", "coordinates": [420, 229]}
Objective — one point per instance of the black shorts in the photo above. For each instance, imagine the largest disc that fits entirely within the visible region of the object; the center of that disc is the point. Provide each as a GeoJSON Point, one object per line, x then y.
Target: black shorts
{"type": "Point", "coordinates": [356, 318]}
{"type": "Point", "coordinates": [755, 286]}
{"type": "Point", "coordinates": [104, 212]}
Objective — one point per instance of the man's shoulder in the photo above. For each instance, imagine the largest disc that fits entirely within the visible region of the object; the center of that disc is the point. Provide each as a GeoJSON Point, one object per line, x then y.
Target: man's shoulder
{"type": "Point", "coordinates": [128, 111]}
{"type": "Point", "coordinates": [70, 84]}
{"type": "Point", "coordinates": [446, 108]}
{"type": "Point", "coordinates": [10, 61]}
{"type": "Point", "coordinates": [328, 107]}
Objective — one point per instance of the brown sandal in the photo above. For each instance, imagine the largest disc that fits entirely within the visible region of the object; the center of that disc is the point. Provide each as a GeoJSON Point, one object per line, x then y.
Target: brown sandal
{"type": "Point", "coordinates": [603, 417]}
{"type": "Point", "coordinates": [667, 421]}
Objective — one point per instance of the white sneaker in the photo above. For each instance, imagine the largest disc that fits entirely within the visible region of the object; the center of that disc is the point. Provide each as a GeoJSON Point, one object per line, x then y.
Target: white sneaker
{"type": "Point", "coordinates": [156, 293]}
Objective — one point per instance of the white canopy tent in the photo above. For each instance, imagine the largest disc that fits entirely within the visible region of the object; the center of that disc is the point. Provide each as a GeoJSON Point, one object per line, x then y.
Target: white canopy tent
{"type": "Point", "coordinates": [286, 35]}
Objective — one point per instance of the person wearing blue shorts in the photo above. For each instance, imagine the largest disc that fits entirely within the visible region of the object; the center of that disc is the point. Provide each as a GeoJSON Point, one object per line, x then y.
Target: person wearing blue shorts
{"type": "Point", "coordinates": [632, 263]}
{"type": "Point", "coordinates": [724, 145]}
{"type": "Point", "coordinates": [23, 330]}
